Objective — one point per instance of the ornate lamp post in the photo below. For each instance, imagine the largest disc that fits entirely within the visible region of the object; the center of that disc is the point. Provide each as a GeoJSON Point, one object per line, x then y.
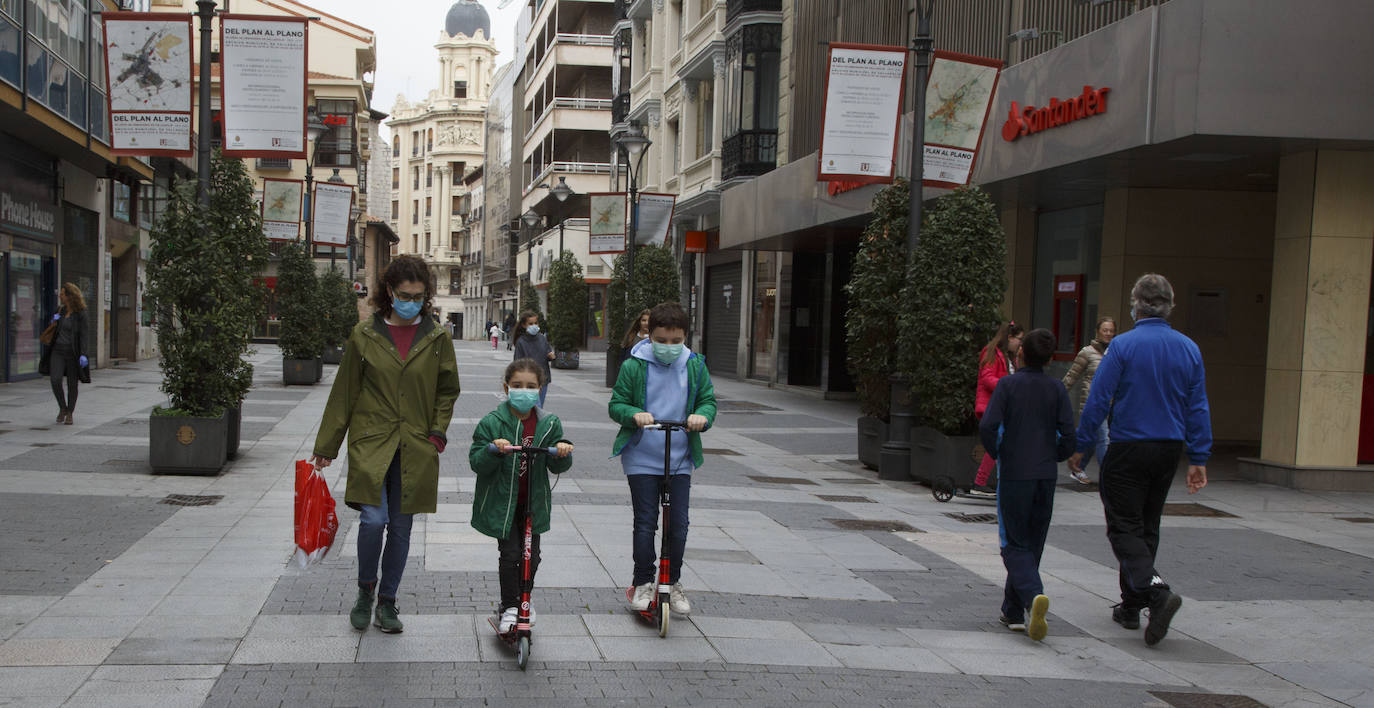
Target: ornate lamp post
{"type": "Point", "coordinates": [634, 144]}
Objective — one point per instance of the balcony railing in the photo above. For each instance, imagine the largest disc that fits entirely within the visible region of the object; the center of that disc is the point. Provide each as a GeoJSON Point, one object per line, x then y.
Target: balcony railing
{"type": "Point", "coordinates": [620, 108]}
{"type": "Point", "coordinates": [749, 153]}
{"type": "Point", "coordinates": [570, 168]}
{"type": "Point", "coordinates": [576, 104]}
{"type": "Point", "coordinates": [735, 8]}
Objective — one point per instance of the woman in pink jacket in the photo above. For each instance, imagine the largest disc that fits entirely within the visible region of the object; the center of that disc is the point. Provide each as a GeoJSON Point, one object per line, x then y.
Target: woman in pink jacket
{"type": "Point", "coordinates": [997, 359]}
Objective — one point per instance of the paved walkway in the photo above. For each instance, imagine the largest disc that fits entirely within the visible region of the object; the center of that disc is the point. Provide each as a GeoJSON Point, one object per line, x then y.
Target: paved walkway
{"type": "Point", "coordinates": [110, 597]}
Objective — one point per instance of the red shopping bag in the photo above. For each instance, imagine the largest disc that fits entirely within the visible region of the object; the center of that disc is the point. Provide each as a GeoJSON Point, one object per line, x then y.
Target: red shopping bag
{"type": "Point", "coordinates": [316, 522]}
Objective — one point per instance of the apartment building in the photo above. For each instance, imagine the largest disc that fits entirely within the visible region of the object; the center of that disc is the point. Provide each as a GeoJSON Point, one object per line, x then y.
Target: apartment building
{"type": "Point", "coordinates": [436, 144]}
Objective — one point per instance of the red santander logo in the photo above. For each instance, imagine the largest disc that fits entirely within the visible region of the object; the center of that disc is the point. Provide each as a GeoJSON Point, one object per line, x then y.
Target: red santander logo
{"type": "Point", "coordinates": [1030, 119]}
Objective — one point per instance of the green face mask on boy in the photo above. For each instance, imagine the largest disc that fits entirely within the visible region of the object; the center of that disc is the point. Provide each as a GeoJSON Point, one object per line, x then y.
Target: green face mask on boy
{"type": "Point", "coordinates": [667, 353]}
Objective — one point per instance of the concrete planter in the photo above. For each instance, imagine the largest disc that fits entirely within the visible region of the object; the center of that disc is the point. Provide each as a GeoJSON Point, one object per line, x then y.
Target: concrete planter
{"type": "Point", "coordinates": [872, 435]}
{"type": "Point", "coordinates": [333, 355]}
{"type": "Point", "coordinates": [946, 463]}
{"type": "Point", "coordinates": [612, 369]}
{"type": "Point", "coordinates": [186, 445]}
{"type": "Point", "coordinates": [567, 360]}
{"type": "Point", "coordinates": [319, 369]}
{"type": "Point", "coordinates": [298, 372]}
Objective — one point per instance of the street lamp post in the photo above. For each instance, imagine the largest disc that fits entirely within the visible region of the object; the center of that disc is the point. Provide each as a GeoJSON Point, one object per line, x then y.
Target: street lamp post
{"type": "Point", "coordinates": [335, 178]}
{"type": "Point", "coordinates": [633, 143]}
{"type": "Point", "coordinates": [355, 214]}
{"type": "Point", "coordinates": [314, 129]}
{"type": "Point", "coordinates": [894, 461]}
{"type": "Point", "coordinates": [531, 218]}
{"type": "Point", "coordinates": [561, 192]}
{"type": "Point", "coordinates": [205, 10]}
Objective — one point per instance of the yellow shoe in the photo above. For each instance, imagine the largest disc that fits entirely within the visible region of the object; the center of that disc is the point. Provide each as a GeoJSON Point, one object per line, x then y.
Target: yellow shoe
{"type": "Point", "coordinates": [1037, 627]}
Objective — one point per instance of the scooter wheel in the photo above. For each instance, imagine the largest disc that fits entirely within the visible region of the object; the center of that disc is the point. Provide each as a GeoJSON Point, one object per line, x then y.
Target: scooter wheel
{"type": "Point", "coordinates": [942, 488]}
{"type": "Point", "coordinates": [663, 614]}
{"type": "Point", "coordinates": [522, 652]}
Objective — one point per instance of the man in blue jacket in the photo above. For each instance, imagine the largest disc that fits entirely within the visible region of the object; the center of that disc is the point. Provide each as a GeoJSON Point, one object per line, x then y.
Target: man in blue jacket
{"type": "Point", "coordinates": [1152, 384]}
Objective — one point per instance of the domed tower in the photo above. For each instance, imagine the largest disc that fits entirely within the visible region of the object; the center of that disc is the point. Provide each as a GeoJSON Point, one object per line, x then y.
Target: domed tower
{"type": "Point", "coordinates": [466, 53]}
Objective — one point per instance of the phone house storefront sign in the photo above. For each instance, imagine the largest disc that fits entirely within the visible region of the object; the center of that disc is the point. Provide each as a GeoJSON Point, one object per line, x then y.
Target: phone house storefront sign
{"type": "Point", "coordinates": [1026, 120]}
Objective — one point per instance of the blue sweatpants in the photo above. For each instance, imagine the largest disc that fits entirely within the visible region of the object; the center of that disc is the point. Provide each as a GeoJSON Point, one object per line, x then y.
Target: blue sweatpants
{"type": "Point", "coordinates": [1024, 508]}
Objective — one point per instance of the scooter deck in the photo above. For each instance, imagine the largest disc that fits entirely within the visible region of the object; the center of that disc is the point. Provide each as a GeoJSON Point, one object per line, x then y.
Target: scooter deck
{"type": "Point", "coordinates": [509, 637]}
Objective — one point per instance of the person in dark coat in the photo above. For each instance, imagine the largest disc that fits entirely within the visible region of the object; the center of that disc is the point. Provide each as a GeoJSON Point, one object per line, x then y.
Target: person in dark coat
{"type": "Point", "coordinates": [530, 343]}
{"type": "Point", "coordinates": [66, 358]}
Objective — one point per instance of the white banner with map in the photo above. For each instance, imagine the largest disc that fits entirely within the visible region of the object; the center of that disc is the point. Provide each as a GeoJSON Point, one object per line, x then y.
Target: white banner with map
{"type": "Point", "coordinates": [263, 59]}
{"type": "Point", "coordinates": [148, 62]}
{"type": "Point", "coordinates": [606, 230]}
{"type": "Point", "coordinates": [281, 208]}
{"type": "Point", "coordinates": [331, 206]}
{"type": "Point", "coordinates": [958, 98]}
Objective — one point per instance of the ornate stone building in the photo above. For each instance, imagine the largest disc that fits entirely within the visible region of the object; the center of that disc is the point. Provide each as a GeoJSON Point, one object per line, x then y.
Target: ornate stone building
{"type": "Point", "coordinates": [436, 143]}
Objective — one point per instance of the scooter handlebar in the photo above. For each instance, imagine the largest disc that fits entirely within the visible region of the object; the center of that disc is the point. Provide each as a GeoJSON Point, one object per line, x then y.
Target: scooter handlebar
{"type": "Point", "coordinates": [491, 447]}
{"type": "Point", "coordinates": [667, 425]}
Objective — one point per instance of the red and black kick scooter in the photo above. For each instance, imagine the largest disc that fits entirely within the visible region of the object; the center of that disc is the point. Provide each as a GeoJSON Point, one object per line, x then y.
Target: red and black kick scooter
{"type": "Point", "coordinates": [658, 611]}
{"type": "Point", "coordinates": [520, 637]}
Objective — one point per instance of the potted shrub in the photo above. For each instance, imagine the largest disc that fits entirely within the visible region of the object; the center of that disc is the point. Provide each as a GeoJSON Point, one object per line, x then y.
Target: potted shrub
{"type": "Point", "coordinates": [567, 310]}
{"type": "Point", "coordinates": [204, 302]}
{"type": "Point", "coordinates": [302, 336]}
{"type": "Point", "coordinates": [875, 301]}
{"type": "Point", "coordinates": [955, 285]}
{"type": "Point", "coordinates": [529, 301]}
{"type": "Point", "coordinates": [340, 314]}
{"type": "Point", "coordinates": [657, 279]}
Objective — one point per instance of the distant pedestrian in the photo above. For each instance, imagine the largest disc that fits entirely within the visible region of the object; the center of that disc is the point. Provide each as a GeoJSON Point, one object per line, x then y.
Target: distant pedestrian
{"type": "Point", "coordinates": [530, 343]}
{"type": "Point", "coordinates": [393, 397]}
{"type": "Point", "coordinates": [1152, 384]}
{"type": "Point", "coordinates": [1028, 429]}
{"type": "Point", "coordinates": [638, 332]}
{"type": "Point", "coordinates": [1080, 376]}
{"type": "Point", "coordinates": [65, 358]}
{"type": "Point", "coordinates": [997, 359]}
{"type": "Point", "coordinates": [495, 333]}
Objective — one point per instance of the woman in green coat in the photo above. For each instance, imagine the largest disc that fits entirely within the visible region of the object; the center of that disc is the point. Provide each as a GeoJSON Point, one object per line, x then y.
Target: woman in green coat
{"type": "Point", "coordinates": [393, 396]}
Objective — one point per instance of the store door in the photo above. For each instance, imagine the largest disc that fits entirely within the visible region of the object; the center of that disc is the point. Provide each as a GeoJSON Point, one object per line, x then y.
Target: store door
{"type": "Point", "coordinates": [30, 277]}
{"type": "Point", "coordinates": [807, 318]}
{"type": "Point", "coordinates": [723, 296]}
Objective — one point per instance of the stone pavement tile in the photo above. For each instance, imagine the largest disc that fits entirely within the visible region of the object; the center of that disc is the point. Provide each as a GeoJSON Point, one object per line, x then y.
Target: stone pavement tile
{"type": "Point", "coordinates": [713, 627]}
{"type": "Point", "coordinates": [858, 635]}
{"type": "Point", "coordinates": [891, 658]}
{"type": "Point", "coordinates": [549, 625]}
{"type": "Point", "coordinates": [46, 627]}
{"type": "Point", "coordinates": [460, 557]}
{"type": "Point", "coordinates": [628, 624]}
{"type": "Point", "coordinates": [1298, 698]}
{"type": "Point", "coordinates": [57, 682]}
{"type": "Point", "coordinates": [1224, 678]}
{"type": "Point", "coordinates": [405, 647]}
{"type": "Point", "coordinates": [561, 571]}
{"type": "Point", "coordinates": [254, 650]}
{"type": "Point", "coordinates": [842, 585]}
{"type": "Point", "coordinates": [192, 626]}
{"type": "Point", "coordinates": [227, 604]}
{"type": "Point", "coordinates": [174, 650]}
{"type": "Point", "coordinates": [56, 652]}
{"type": "Point", "coordinates": [655, 648]}
{"type": "Point", "coordinates": [743, 579]}
{"type": "Point", "coordinates": [1342, 680]}
{"type": "Point", "coordinates": [782, 652]}
{"type": "Point", "coordinates": [1180, 648]}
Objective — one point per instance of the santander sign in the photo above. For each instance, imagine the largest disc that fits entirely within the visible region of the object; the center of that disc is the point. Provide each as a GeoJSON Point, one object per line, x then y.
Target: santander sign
{"type": "Point", "coordinates": [1030, 119]}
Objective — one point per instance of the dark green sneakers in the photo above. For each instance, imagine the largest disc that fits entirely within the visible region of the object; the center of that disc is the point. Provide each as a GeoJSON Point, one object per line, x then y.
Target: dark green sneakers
{"type": "Point", "coordinates": [362, 609]}
{"type": "Point", "coordinates": [386, 620]}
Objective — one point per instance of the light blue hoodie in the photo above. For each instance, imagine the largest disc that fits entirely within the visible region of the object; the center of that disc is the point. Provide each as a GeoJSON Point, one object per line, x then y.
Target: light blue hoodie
{"type": "Point", "coordinates": [666, 399]}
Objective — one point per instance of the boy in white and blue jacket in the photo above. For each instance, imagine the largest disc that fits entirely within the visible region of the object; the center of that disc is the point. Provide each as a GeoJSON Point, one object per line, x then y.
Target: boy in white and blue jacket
{"type": "Point", "coordinates": [661, 380]}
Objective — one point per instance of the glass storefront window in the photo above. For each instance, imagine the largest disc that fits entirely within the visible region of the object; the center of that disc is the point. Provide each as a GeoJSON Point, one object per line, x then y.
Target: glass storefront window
{"type": "Point", "coordinates": [763, 338]}
{"type": "Point", "coordinates": [10, 37]}
{"type": "Point", "coordinates": [1068, 242]}
{"type": "Point", "coordinates": [26, 288]}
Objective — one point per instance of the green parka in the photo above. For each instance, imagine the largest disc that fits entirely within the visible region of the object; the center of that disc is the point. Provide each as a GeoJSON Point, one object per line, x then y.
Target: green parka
{"type": "Point", "coordinates": [383, 403]}
{"type": "Point", "coordinates": [631, 390]}
{"type": "Point", "coordinates": [497, 490]}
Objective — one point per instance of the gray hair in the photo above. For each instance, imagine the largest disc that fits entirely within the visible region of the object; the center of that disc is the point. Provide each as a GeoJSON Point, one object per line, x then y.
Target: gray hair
{"type": "Point", "coordinates": [1152, 296]}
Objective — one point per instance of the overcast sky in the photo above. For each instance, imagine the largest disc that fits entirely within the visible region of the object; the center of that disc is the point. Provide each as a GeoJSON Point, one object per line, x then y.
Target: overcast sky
{"type": "Point", "coordinates": [407, 61]}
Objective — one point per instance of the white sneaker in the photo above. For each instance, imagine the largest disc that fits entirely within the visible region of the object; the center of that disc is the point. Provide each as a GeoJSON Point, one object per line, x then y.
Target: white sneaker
{"type": "Point", "coordinates": [677, 600]}
{"type": "Point", "coordinates": [1080, 477]}
{"type": "Point", "coordinates": [508, 619]}
{"type": "Point", "coordinates": [644, 594]}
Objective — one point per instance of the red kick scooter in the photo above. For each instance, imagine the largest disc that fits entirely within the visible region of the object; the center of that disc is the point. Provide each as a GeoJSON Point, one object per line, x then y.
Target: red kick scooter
{"type": "Point", "coordinates": [658, 611]}
{"type": "Point", "coordinates": [520, 637]}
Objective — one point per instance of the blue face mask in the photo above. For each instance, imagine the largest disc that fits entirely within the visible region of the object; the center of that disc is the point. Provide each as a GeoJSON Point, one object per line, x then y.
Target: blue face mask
{"type": "Point", "coordinates": [667, 353]}
{"type": "Point", "coordinates": [523, 399]}
{"type": "Point", "coordinates": [404, 308]}
{"type": "Point", "coordinates": [532, 329]}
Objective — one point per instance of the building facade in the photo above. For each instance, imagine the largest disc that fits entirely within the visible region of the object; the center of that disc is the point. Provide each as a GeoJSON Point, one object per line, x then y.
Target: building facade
{"type": "Point", "coordinates": [436, 145]}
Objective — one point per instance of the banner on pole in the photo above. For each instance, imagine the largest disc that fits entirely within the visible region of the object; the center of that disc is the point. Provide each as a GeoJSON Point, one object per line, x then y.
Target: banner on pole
{"type": "Point", "coordinates": [281, 208]}
{"type": "Point", "coordinates": [655, 218]}
{"type": "Point", "coordinates": [863, 109]}
{"type": "Point", "coordinates": [331, 207]}
{"type": "Point", "coordinates": [148, 62]}
{"type": "Point", "coordinates": [263, 60]}
{"type": "Point", "coordinates": [606, 231]}
{"type": "Point", "coordinates": [958, 98]}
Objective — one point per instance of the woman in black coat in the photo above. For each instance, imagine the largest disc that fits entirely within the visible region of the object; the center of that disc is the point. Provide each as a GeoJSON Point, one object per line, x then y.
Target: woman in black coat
{"type": "Point", "coordinates": [66, 356]}
{"type": "Point", "coordinates": [530, 343]}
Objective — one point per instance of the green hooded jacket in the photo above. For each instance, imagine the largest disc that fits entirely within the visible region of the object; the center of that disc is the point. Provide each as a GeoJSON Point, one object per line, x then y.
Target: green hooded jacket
{"type": "Point", "coordinates": [632, 386]}
{"type": "Point", "coordinates": [383, 403]}
{"type": "Point", "coordinates": [497, 490]}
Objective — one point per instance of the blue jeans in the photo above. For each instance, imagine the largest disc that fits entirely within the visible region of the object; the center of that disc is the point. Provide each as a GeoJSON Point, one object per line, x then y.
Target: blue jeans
{"type": "Point", "coordinates": [543, 393]}
{"type": "Point", "coordinates": [1099, 448]}
{"type": "Point", "coordinates": [1024, 508]}
{"type": "Point", "coordinates": [386, 517]}
{"type": "Point", "coordinates": [644, 498]}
